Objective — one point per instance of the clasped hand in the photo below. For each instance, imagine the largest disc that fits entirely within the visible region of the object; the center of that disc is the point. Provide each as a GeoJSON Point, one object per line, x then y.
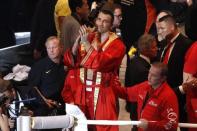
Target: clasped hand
{"type": "Point", "coordinates": [82, 38]}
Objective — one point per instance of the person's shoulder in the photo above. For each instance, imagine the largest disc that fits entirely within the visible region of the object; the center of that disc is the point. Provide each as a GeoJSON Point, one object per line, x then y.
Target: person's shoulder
{"type": "Point", "coordinates": [41, 63]}
{"type": "Point", "coordinates": [70, 20]}
{"type": "Point", "coordinates": [184, 39]}
{"type": "Point", "coordinates": [168, 92]}
{"type": "Point", "coordinates": [144, 85]}
{"type": "Point", "coordinates": [137, 62]}
{"type": "Point", "coordinates": [117, 40]}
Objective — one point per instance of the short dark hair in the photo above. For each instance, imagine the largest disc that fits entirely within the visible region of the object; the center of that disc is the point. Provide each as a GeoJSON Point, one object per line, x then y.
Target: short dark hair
{"type": "Point", "coordinates": [117, 6]}
{"type": "Point", "coordinates": [168, 17]}
{"type": "Point", "coordinates": [145, 42]}
{"type": "Point", "coordinates": [108, 12]}
{"type": "Point", "coordinates": [73, 4]}
{"type": "Point", "coordinates": [163, 68]}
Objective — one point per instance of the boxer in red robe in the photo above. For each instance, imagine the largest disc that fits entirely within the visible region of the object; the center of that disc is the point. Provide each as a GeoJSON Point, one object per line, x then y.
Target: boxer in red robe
{"type": "Point", "coordinates": [92, 66]}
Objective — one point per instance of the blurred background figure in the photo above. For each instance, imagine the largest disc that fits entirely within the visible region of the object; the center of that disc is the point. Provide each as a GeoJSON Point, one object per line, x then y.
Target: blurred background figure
{"type": "Point", "coordinates": [43, 26]}
{"type": "Point", "coordinates": [117, 19]}
{"type": "Point", "coordinates": [61, 10]}
{"type": "Point", "coordinates": [71, 23]}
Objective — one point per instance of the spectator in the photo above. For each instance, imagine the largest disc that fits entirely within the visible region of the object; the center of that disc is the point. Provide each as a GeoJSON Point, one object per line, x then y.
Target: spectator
{"type": "Point", "coordinates": [46, 80]}
{"type": "Point", "coordinates": [61, 10]}
{"type": "Point", "coordinates": [117, 19]}
{"type": "Point", "coordinates": [72, 23]}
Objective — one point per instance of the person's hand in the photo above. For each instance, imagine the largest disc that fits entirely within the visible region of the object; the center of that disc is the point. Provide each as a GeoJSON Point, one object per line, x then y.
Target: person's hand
{"type": "Point", "coordinates": [51, 103]}
{"type": "Point", "coordinates": [143, 124]}
{"type": "Point", "coordinates": [36, 54]}
{"type": "Point", "coordinates": [83, 32]}
{"type": "Point", "coordinates": [4, 126]}
{"type": "Point", "coordinates": [190, 84]}
{"type": "Point", "coordinates": [31, 113]}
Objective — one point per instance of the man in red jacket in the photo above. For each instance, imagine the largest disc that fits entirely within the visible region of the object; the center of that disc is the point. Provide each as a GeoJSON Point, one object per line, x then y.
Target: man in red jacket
{"type": "Point", "coordinates": [157, 103]}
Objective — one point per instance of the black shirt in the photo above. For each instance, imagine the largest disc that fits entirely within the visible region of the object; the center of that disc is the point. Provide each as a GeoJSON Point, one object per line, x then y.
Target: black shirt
{"type": "Point", "coordinates": [48, 77]}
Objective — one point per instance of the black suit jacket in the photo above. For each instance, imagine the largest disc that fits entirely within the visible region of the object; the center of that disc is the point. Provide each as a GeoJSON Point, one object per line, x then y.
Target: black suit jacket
{"type": "Point", "coordinates": [175, 70]}
{"type": "Point", "coordinates": [137, 71]}
{"type": "Point", "coordinates": [176, 61]}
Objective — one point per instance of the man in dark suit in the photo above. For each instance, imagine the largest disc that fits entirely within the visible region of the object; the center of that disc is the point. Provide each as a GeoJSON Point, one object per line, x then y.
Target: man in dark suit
{"type": "Point", "coordinates": [138, 67]}
{"type": "Point", "coordinates": [173, 54]}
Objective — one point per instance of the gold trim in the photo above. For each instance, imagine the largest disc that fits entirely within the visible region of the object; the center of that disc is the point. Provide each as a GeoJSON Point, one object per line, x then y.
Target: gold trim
{"type": "Point", "coordinates": [90, 74]}
{"type": "Point", "coordinates": [112, 36]}
{"type": "Point", "coordinates": [96, 95]}
{"type": "Point", "coordinates": [81, 75]}
{"type": "Point", "coordinates": [98, 78]}
{"type": "Point", "coordinates": [87, 56]}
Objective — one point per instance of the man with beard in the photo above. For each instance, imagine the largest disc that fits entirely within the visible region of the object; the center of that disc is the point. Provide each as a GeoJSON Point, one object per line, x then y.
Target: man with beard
{"type": "Point", "coordinates": [173, 54]}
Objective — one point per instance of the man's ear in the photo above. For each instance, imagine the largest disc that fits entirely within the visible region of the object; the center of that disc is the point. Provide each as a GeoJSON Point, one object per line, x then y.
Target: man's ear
{"type": "Point", "coordinates": [78, 10]}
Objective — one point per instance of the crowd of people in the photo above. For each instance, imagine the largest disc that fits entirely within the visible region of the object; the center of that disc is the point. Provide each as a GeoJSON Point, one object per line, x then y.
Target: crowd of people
{"type": "Point", "coordinates": [77, 61]}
